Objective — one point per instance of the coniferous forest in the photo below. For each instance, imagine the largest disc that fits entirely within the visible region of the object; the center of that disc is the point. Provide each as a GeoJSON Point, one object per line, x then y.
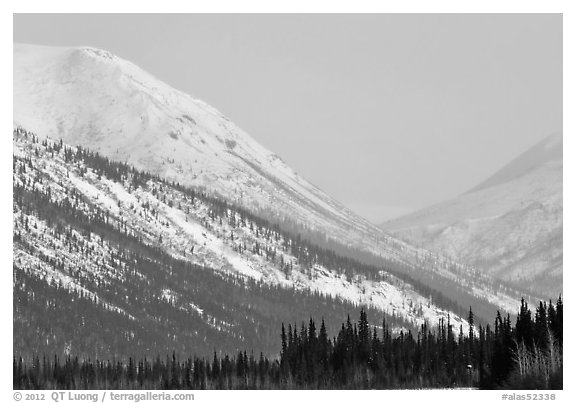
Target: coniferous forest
{"type": "Point", "coordinates": [526, 354]}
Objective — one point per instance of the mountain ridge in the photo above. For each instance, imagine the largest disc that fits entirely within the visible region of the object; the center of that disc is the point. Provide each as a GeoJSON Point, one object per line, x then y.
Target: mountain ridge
{"type": "Point", "coordinates": [163, 131]}
{"type": "Point", "coordinates": [547, 149]}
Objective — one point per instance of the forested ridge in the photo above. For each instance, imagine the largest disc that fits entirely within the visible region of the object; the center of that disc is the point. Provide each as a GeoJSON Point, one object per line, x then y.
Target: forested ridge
{"type": "Point", "coordinates": [523, 355]}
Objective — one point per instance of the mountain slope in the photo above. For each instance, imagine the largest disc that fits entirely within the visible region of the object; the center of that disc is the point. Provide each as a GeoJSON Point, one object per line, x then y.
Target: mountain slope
{"type": "Point", "coordinates": [510, 226]}
{"type": "Point", "coordinates": [91, 98]}
{"type": "Point", "coordinates": [547, 150]}
{"type": "Point", "coordinates": [162, 267]}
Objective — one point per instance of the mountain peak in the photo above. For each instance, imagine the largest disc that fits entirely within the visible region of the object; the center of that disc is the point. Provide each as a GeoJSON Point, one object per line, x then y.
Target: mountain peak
{"type": "Point", "coordinates": [100, 53]}
{"type": "Point", "coordinates": [89, 97]}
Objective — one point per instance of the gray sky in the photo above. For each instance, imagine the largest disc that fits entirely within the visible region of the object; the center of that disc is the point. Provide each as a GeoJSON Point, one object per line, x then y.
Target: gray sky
{"type": "Point", "coordinates": [387, 113]}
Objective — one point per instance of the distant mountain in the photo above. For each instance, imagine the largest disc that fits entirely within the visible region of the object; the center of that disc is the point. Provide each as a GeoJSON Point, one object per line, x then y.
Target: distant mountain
{"type": "Point", "coordinates": [547, 150]}
{"type": "Point", "coordinates": [509, 226]}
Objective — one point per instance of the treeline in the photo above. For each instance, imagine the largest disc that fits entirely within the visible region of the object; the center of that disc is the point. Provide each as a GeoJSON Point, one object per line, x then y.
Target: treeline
{"type": "Point", "coordinates": [527, 355]}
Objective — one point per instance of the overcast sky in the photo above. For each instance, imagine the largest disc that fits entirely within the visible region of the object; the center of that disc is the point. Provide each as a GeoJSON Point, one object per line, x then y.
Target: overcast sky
{"type": "Point", "coordinates": [387, 113]}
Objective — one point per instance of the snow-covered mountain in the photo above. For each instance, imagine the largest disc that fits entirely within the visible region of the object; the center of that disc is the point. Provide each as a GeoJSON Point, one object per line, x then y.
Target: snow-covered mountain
{"type": "Point", "coordinates": [509, 226]}
{"type": "Point", "coordinates": [90, 98]}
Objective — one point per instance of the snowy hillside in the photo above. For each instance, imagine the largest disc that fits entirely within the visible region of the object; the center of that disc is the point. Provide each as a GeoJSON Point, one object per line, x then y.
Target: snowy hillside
{"type": "Point", "coordinates": [100, 231]}
{"type": "Point", "coordinates": [91, 98]}
{"type": "Point", "coordinates": [510, 226]}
